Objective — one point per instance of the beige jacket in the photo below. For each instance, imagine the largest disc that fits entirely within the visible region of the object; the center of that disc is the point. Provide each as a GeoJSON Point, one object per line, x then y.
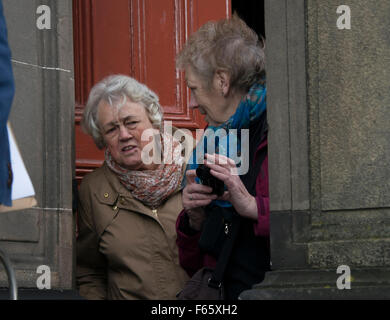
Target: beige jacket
{"type": "Point", "coordinates": [124, 249]}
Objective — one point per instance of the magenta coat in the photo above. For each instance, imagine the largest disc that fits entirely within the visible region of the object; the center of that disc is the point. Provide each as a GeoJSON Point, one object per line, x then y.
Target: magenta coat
{"type": "Point", "coordinates": [190, 256]}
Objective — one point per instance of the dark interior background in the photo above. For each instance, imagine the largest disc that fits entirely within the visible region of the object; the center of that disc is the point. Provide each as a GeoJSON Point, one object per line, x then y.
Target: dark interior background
{"type": "Point", "coordinates": [252, 12]}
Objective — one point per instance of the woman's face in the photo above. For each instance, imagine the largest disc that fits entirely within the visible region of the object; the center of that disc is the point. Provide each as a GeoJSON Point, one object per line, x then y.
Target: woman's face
{"type": "Point", "coordinates": [122, 130]}
{"type": "Point", "coordinates": [209, 101]}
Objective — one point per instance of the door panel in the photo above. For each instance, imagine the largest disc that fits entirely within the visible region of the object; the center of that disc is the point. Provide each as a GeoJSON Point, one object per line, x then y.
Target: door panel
{"type": "Point", "coordinates": [139, 38]}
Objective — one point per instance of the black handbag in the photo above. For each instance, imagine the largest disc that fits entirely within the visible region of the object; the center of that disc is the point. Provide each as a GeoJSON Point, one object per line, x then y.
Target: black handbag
{"type": "Point", "coordinates": [200, 288]}
{"type": "Point", "coordinates": [206, 283]}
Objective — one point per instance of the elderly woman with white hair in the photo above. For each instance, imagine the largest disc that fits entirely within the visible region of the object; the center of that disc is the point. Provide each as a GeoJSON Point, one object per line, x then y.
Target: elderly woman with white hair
{"type": "Point", "coordinates": [227, 231]}
{"type": "Point", "coordinates": [128, 207]}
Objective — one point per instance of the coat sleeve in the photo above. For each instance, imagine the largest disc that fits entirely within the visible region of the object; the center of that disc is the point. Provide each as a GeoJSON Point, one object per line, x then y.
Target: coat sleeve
{"type": "Point", "coordinates": [7, 90]}
{"type": "Point", "coordinates": [91, 272]}
{"type": "Point", "coordinates": [190, 256]}
{"type": "Point", "coordinates": [261, 226]}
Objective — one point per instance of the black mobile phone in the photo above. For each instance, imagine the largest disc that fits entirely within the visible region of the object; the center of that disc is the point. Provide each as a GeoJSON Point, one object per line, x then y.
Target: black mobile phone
{"type": "Point", "coordinates": [207, 179]}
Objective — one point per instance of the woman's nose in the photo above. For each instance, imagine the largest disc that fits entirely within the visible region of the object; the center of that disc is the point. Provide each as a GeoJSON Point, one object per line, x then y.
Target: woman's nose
{"type": "Point", "coordinates": [193, 102]}
{"type": "Point", "coordinates": [124, 134]}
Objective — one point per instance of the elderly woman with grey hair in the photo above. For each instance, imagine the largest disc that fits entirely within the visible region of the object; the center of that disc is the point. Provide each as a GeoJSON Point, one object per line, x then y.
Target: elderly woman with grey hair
{"type": "Point", "coordinates": [225, 70]}
{"type": "Point", "coordinates": [128, 207]}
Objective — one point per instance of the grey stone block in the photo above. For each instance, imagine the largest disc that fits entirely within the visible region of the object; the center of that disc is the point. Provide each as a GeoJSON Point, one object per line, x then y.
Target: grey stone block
{"type": "Point", "coordinates": [20, 226]}
{"type": "Point", "coordinates": [358, 253]}
{"type": "Point", "coordinates": [373, 283]}
{"type": "Point", "coordinates": [354, 99]}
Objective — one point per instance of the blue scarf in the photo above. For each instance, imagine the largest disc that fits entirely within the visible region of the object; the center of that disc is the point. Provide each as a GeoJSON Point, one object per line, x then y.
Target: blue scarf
{"type": "Point", "coordinates": [250, 109]}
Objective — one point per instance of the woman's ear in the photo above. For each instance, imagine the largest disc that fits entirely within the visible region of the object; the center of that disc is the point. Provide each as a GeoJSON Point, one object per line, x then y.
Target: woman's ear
{"type": "Point", "coordinates": [222, 81]}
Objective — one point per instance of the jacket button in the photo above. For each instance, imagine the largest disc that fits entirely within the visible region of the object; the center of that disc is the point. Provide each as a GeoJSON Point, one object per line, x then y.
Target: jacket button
{"type": "Point", "coordinates": [114, 208]}
{"type": "Point", "coordinates": [106, 195]}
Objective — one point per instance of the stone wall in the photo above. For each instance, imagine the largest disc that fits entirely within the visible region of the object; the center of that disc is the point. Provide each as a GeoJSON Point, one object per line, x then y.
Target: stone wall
{"type": "Point", "coordinates": [349, 108]}
{"type": "Point", "coordinates": [42, 119]}
{"type": "Point", "coordinates": [329, 149]}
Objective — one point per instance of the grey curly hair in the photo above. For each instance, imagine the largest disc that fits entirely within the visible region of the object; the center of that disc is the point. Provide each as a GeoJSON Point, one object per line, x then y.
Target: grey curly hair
{"type": "Point", "coordinates": [230, 45]}
{"type": "Point", "coordinates": [115, 90]}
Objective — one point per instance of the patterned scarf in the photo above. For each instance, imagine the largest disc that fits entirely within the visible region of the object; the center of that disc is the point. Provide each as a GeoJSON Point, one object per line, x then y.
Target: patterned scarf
{"type": "Point", "coordinates": [250, 109]}
{"type": "Point", "coordinates": [152, 187]}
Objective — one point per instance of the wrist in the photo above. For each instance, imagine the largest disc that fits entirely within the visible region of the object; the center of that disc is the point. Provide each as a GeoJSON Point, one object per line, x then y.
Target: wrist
{"type": "Point", "coordinates": [252, 210]}
{"type": "Point", "coordinates": [195, 225]}
{"type": "Point", "coordinates": [195, 218]}
{"type": "Point", "coordinates": [185, 226]}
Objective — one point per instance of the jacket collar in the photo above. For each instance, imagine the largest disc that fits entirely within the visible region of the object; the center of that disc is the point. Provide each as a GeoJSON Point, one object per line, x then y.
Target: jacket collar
{"type": "Point", "coordinates": [112, 193]}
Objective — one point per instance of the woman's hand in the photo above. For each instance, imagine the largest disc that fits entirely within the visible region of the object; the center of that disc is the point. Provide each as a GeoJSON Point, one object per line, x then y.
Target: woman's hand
{"type": "Point", "coordinates": [194, 197]}
{"type": "Point", "coordinates": [225, 169]}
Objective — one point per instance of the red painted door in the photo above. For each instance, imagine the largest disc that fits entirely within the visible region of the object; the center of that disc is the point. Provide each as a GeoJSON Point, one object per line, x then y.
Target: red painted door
{"type": "Point", "coordinates": [139, 38]}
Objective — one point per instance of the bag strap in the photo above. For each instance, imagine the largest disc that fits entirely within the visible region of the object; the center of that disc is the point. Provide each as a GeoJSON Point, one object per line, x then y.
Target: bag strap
{"type": "Point", "coordinates": [216, 279]}
{"type": "Point", "coordinates": [249, 181]}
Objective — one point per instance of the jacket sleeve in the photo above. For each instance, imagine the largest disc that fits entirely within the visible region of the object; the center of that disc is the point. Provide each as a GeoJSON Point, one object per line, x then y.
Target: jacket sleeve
{"type": "Point", "coordinates": [261, 226]}
{"type": "Point", "coordinates": [7, 90]}
{"type": "Point", "coordinates": [190, 256]}
{"type": "Point", "coordinates": [91, 272]}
